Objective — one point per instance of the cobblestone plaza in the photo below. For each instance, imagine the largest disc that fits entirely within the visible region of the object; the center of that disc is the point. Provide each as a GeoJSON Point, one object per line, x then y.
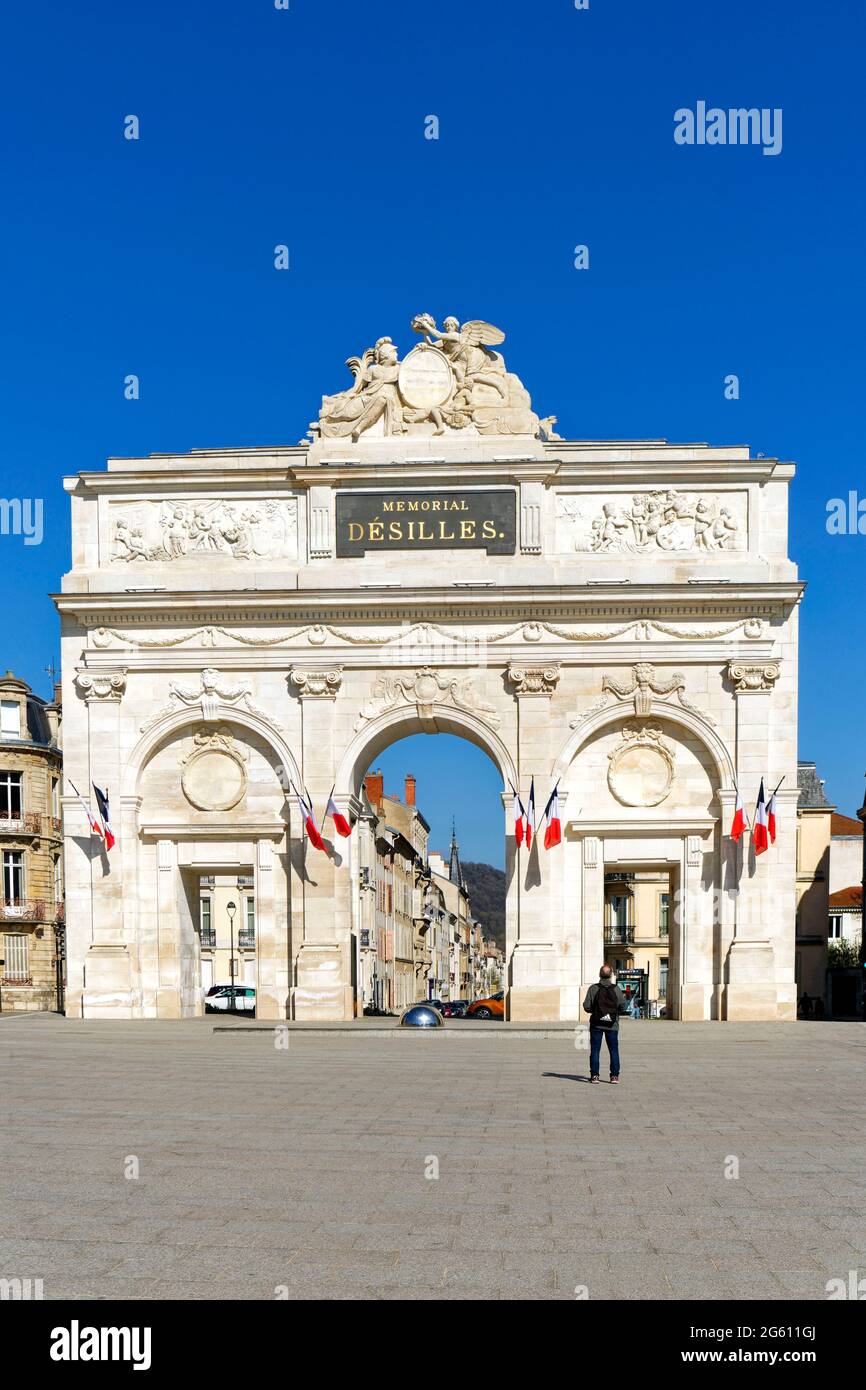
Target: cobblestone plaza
{"type": "Point", "coordinates": [308, 1171]}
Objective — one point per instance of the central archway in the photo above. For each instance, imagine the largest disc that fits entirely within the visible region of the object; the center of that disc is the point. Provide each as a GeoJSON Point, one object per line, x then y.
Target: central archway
{"type": "Point", "coordinates": [377, 733]}
{"type": "Point", "coordinates": [419, 931]}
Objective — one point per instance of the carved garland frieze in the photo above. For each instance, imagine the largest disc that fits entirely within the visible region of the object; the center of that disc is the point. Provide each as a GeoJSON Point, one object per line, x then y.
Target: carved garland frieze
{"type": "Point", "coordinates": [422, 634]}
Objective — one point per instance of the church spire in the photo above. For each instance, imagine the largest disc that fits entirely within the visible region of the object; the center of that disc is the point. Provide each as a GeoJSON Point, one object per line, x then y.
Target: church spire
{"type": "Point", "coordinates": [455, 873]}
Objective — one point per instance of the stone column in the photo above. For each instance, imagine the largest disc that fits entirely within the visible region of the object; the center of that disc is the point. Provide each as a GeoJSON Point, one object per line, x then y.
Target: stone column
{"type": "Point", "coordinates": [168, 993]}
{"type": "Point", "coordinates": [592, 913]}
{"type": "Point", "coordinates": [535, 974]}
{"type": "Point", "coordinates": [270, 949]}
{"type": "Point", "coordinates": [693, 980]}
{"type": "Point", "coordinates": [750, 989]}
{"type": "Point", "coordinates": [107, 971]}
{"type": "Point", "coordinates": [134, 904]}
{"type": "Point", "coordinates": [323, 974]}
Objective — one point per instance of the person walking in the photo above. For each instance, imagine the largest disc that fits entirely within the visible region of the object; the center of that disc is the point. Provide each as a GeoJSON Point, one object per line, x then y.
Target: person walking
{"type": "Point", "coordinates": [603, 1003]}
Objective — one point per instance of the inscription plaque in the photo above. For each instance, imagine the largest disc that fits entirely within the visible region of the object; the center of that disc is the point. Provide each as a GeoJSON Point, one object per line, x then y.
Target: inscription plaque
{"type": "Point", "coordinates": [451, 519]}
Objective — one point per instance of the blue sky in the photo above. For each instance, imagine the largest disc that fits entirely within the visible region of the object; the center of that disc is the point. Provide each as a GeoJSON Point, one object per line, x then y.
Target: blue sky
{"type": "Point", "coordinates": [306, 127]}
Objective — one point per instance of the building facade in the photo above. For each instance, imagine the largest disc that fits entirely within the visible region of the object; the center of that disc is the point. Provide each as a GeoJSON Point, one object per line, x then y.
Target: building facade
{"type": "Point", "coordinates": [31, 844]}
{"type": "Point", "coordinates": [418, 941]}
{"type": "Point", "coordinates": [815, 815]}
{"type": "Point", "coordinates": [638, 907]}
{"type": "Point", "coordinates": [616, 618]}
{"type": "Point", "coordinates": [846, 880]}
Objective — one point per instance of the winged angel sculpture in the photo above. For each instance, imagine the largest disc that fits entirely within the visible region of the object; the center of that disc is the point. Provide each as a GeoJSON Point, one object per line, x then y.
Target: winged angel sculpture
{"type": "Point", "coordinates": [468, 388]}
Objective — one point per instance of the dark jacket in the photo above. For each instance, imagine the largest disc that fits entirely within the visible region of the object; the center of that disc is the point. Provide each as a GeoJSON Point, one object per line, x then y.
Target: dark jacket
{"type": "Point", "coordinates": [590, 1000]}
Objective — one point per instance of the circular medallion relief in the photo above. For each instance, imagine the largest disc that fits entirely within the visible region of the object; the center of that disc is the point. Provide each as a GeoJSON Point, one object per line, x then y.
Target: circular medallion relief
{"type": "Point", "coordinates": [640, 775]}
{"type": "Point", "coordinates": [214, 780]}
{"type": "Point", "coordinates": [426, 379]}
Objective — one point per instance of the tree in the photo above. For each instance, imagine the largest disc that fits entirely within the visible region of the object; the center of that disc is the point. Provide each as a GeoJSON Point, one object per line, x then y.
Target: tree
{"type": "Point", "coordinates": [843, 955]}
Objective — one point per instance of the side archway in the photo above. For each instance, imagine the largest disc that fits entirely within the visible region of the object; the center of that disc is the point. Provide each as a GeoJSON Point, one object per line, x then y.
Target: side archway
{"type": "Point", "coordinates": [659, 709]}
{"type": "Point", "coordinates": [150, 741]}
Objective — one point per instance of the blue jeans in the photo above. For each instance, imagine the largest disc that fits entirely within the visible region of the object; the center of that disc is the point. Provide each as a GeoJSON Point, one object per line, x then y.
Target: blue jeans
{"type": "Point", "coordinates": [595, 1037]}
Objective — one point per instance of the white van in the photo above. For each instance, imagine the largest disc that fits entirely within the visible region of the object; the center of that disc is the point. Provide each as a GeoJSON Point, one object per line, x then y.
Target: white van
{"type": "Point", "coordinates": [236, 999]}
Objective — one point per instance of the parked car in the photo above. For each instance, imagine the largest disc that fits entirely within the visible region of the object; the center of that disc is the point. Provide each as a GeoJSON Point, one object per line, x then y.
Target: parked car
{"type": "Point", "coordinates": [239, 999]}
{"type": "Point", "coordinates": [456, 1008]}
{"type": "Point", "coordinates": [431, 1003]}
{"type": "Point", "coordinates": [494, 1007]}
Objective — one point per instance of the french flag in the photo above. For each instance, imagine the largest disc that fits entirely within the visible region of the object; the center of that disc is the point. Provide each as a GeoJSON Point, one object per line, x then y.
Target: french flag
{"type": "Point", "coordinates": [519, 815]}
{"type": "Point", "coordinates": [761, 832]}
{"type": "Point", "coordinates": [102, 803]}
{"type": "Point", "coordinates": [771, 817]}
{"type": "Point", "coordinates": [341, 824]}
{"type": "Point", "coordinates": [309, 819]}
{"type": "Point", "coordinates": [530, 815]}
{"type": "Point", "coordinates": [740, 823]}
{"type": "Point", "coordinates": [553, 833]}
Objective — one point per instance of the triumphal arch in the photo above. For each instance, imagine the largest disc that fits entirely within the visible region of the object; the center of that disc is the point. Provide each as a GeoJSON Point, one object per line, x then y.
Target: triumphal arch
{"type": "Point", "coordinates": [615, 617]}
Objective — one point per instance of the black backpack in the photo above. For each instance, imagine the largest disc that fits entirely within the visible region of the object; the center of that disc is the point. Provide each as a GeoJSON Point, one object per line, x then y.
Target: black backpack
{"type": "Point", "coordinates": [605, 1007]}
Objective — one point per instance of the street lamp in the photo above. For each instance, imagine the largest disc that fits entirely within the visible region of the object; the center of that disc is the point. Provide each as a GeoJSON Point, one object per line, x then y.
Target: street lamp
{"type": "Point", "coordinates": [231, 909]}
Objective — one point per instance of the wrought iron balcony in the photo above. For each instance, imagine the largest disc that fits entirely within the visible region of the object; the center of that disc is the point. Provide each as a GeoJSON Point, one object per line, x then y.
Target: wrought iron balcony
{"type": "Point", "coordinates": [28, 823]}
{"type": "Point", "coordinates": [618, 936]}
{"type": "Point", "coordinates": [246, 940]}
{"type": "Point", "coordinates": [22, 910]}
{"type": "Point", "coordinates": [208, 938]}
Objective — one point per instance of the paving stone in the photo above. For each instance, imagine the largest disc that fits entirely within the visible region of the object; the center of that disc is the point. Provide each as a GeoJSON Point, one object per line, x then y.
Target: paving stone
{"type": "Point", "coordinates": [304, 1170]}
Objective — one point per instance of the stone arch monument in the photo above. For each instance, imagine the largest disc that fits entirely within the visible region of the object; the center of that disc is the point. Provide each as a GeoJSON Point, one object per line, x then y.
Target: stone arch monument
{"type": "Point", "coordinates": [618, 618]}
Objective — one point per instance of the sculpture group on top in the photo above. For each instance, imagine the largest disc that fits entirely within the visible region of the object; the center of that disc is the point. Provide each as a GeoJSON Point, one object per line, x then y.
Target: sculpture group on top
{"type": "Point", "coordinates": [452, 380]}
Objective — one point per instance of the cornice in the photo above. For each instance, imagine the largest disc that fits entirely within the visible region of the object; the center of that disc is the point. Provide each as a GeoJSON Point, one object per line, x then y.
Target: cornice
{"type": "Point", "coordinates": [708, 472]}
{"type": "Point", "coordinates": [496, 603]}
{"type": "Point", "coordinates": [180, 480]}
{"type": "Point", "coordinates": [235, 829]}
{"type": "Point", "coordinates": [499, 657]}
{"type": "Point", "coordinates": [561, 462]}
